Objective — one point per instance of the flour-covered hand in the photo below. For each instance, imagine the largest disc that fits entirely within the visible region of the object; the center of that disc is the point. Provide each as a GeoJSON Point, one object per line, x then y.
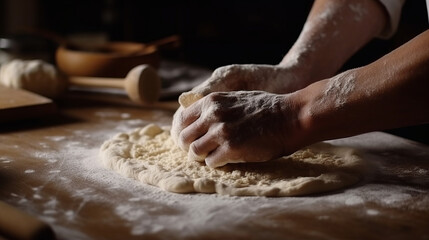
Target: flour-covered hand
{"type": "Point", "coordinates": [242, 126]}
{"type": "Point", "coordinates": [269, 78]}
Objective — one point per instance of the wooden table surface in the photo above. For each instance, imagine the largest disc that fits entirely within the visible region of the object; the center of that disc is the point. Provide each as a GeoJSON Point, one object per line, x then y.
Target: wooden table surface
{"type": "Point", "coordinates": [50, 169]}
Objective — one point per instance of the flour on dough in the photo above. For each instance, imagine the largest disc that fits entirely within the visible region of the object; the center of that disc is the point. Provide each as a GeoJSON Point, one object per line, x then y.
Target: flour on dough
{"type": "Point", "coordinates": [187, 98]}
{"type": "Point", "coordinates": [149, 155]}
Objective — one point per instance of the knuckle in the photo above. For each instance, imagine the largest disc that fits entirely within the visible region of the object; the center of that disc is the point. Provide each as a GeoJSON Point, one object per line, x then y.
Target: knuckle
{"type": "Point", "coordinates": [212, 162]}
{"type": "Point", "coordinates": [196, 148]}
{"type": "Point", "coordinates": [231, 140]}
{"type": "Point", "coordinates": [224, 131]}
{"type": "Point", "coordinates": [232, 146]}
{"type": "Point", "coordinates": [220, 71]}
{"type": "Point", "coordinates": [211, 97]}
{"type": "Point", "coordinates": [183, 141]}
{"type": "Point", "coordinates": [234, 151]}
{"type": "Point", "coordinates": [184, 137]}
{"type": "Point", "coordinates": [212, 107]}
{"type": "Point", "coordinates": [217, 112]}
{"type": "Point", "coordinates": [226, 70]}
{"type": "Point", "coordinates": [214, 97]}
{"type": "Point", "coordinates": [179, 118]}
{"type": "Point", "coordinates": [232, 67]}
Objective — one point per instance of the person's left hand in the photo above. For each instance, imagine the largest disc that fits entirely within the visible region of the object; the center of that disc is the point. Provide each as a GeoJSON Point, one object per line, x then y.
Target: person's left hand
{"type": "Point", "coordinates": [253, 77]}
{"type": "Point", "coordinates": [231, 127]}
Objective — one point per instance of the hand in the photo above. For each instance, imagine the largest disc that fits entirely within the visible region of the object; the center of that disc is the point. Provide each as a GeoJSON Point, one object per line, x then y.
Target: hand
{"type": "Point", "coordinates": [269, 78]}
{"type": "Point", "coordinates": [231, 127]}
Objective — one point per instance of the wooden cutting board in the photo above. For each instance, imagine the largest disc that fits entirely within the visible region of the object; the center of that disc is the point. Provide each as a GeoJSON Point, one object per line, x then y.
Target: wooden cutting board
{"type": "Point", "coordinates": [18, 104]}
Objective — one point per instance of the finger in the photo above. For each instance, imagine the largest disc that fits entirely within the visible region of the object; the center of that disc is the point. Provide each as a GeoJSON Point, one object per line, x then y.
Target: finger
{"type": "Point", "coordinates": [221, 156]}
{"type": "Point", "coordinates": [175, 125]}
{"type": "Point", "coordinates": [190, 114]}
{"type": "Point", "coordinates": [193, 131]}
{"type": "Point", "coordinates": [201, 147]}
{"type": "Point", "coordinates": [181, 119]}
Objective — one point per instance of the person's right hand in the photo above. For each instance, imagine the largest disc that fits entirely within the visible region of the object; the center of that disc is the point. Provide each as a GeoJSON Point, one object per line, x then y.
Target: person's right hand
{"type": "Point", "coordinates": [239, 126]}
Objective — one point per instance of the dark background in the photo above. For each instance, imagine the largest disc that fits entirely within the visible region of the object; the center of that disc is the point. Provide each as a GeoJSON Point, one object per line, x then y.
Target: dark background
{"type": "Point", "coordinates": [214, 33]}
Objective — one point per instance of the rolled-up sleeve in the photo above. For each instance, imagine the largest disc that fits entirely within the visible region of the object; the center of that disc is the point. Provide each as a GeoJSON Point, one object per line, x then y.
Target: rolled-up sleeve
{"type": "Point", "coordinates": [393, 9]}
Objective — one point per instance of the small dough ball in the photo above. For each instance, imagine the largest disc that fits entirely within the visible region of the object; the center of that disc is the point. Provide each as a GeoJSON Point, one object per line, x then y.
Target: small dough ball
{"type": "Point", "coordinates": [151, 130]}
{"type": "Point", "coordinates": [33, 75]}
{"type": "Point", "coordinates": [187, 98]}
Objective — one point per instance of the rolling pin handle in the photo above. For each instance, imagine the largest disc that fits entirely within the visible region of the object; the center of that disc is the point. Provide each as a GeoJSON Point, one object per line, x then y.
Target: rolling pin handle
{"type": "Point", "coordinates": [18, 225]}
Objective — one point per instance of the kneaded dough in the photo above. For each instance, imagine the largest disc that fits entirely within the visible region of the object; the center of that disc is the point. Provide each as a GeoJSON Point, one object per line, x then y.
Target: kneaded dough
{"type": "Point", "coordinates": [33, 75]}
{"type": "Point", "coordinates": [187, 98]}
{"type": "Point", "coordinates": [149, 155]}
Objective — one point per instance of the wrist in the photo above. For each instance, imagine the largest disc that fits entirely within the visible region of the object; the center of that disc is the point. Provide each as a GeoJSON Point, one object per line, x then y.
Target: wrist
{"type": "Point", "coordinates": [295, 77]}
{"type": "Point", "coordinates": [311, 113]}
{"type": "Point", "coordinates": [300, 64]}
{"type": "Point", "coordinates": [296, 131]}
{"type": "Point", "coordinates": [327, 106]}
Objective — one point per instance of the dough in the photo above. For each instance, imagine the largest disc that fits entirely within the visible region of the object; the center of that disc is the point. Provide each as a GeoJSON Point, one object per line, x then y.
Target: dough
{"type": "Point", "coordinates": [33, 75]}
{"type": "Point", "coordinates": [149, 155]}
{"type": "Point", "coordinates": [187, 98]}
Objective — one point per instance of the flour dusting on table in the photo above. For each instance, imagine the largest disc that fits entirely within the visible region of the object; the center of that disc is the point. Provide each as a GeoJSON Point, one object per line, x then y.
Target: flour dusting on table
{"type": "Point", "coordinates": [73, 169]}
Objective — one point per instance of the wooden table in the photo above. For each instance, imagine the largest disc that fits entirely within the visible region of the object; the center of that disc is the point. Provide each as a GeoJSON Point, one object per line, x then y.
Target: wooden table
{"type": "Point", "coordinates": [50, 169]}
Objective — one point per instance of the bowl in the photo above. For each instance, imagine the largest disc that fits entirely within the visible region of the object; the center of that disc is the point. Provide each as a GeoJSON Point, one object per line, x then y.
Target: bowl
{"type": "Point", "coordinates": [112, 59]}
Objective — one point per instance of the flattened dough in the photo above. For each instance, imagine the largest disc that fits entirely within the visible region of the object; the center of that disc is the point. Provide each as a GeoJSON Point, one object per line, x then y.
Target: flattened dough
{"type": "Point", "coordinates": [150, 156]}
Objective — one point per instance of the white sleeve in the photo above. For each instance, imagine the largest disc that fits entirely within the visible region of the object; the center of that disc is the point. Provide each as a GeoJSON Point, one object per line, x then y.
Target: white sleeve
{"type": "Point", "coordinates": [393, 9]}
{"type": "Point", "coordinates": [427, 7]}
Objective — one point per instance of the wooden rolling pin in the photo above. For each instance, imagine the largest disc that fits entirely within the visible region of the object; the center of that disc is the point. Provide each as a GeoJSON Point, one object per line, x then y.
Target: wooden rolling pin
{"type": "Point", "coordinates": [17, 225]}
{"type": "Point", "coordinates": [142, 83]}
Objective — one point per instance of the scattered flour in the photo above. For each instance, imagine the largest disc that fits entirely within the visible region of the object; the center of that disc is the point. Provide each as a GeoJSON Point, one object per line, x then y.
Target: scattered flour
{"type": "Point", "coordinates": [396, 198]}
{"type": "Point", "coordinates": [107, 113]}
{"type": "Point", "coordinates": [5, 160]}
{"type": "Point", "coordinates": [55, 138]}
{"type": "Point", "coordinates": [372, 212]}
{"type": "Point", "coordinates": [125, 115]}
{"type": "Point", "coordinates": [354, 200]}
{"type": "Point", "coordinates": [37, 196]}
{"type": "Point", "coordinates": [309, 39]}
{"type": "Point", "coordinates": [358, 10]}
{"type": "Point", "coordinates": [83, 187]}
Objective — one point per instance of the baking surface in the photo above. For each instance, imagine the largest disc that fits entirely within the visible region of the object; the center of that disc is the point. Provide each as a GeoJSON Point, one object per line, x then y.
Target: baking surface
{"type": "Point", "coordinates": [50, 169]}
{"type": "Point", "coordinates": [18, 104]}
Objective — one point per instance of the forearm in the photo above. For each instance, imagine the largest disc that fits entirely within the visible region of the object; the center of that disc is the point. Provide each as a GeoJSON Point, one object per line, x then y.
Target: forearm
{"type": "Point", "coordinates": [333, 32]}
{"type": "Point", "coordinates": [391, 92]}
